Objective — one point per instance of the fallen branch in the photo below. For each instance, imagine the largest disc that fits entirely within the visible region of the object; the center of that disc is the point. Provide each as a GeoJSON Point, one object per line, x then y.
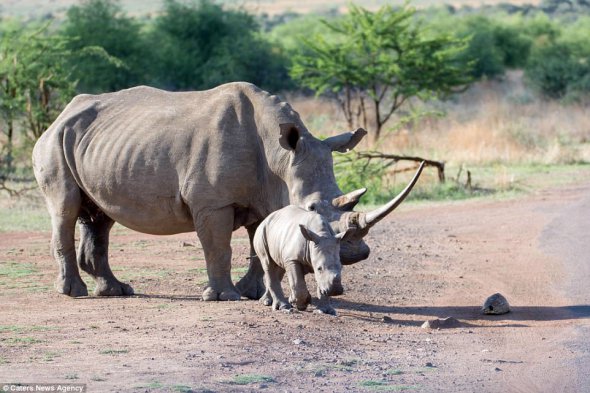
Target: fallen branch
{"type": "Point", "coordinates": [439, 165]}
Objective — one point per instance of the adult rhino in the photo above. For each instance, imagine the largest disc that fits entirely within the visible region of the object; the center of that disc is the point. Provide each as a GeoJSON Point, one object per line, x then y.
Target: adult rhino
{"type": "Point", "coordinates": [163, 163]}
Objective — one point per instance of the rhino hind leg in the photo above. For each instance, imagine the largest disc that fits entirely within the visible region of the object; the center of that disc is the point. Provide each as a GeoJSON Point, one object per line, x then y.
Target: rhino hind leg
{"type": "Point", "coordinates": [252, 284]}
{"type": "Point", "coordinates": [266, 298]}
{"type": "Point", "coordinates": [214, 229]}
{"type": "Point", "coordinates": [95, 227]}
{"type": "Point", "coordinates": [272, 278]}
{"type": "Point", "coordinates": [63, 202]}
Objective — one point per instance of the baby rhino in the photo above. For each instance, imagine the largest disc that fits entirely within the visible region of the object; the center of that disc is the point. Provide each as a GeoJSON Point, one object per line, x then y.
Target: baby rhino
{"type": "Point", "coordinates": [298, 241]}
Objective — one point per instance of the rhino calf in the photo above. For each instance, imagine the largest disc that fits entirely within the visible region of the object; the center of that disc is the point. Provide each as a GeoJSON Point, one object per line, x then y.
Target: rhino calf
{"type": "Point", "coordinates": [297, 241]}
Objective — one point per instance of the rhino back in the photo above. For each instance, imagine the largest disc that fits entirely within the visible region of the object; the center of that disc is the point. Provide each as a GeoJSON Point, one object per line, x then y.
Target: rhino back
{"type": "Point", "coordinates": [152, 159]}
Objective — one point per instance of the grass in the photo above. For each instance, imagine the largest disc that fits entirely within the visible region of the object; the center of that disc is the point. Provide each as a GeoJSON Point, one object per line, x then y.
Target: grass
{"type": "Point", "coordinates": [50, 356]}
{"type": "Point", "coordinates": [171, 388]}
{"type": "Point", "coordinates": [24, 214]}
{"type": "Point", "coordinates": [113, 351]}
{"type": "Point", "coordinates": [153, 385]}
{"type": "Point", "coordinates": [21, 341]}
{"type": "Point", "coordinates": [246, 379]}
{"type": "Point", "coordinates": [24, 329]}
{"type": "Point", "coordinates": [12, 270]}
{"type": "Point", "coordinates": [20, 276]}
{"type": "Point", "coordinates": [181, 388]}
{"type": "Point", "coordinates": [384, 386]}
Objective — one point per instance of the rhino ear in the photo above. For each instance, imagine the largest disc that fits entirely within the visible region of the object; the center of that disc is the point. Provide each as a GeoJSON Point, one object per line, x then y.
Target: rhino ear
{"type": "Point", "coordinates": [309, 234]}
{"type": "Point", "coordinates": [345, 142]}
{"type": "Point", "coordinates": [289, 136]}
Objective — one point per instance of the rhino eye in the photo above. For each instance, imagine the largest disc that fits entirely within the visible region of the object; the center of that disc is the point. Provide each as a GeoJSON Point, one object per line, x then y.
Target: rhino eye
{"type": "Point", "coordinates": [320, 269]}
{"type": "Point", "coordinates": [311, 207]}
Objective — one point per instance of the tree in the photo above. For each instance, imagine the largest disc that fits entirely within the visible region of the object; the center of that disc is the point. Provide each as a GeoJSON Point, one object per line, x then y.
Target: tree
{"type": "Point", "coordinates": [34, 81]}
{"type": "Point", "coordinates": [108, 49]}
{"type": "Point", "coordinates": [200, 45]}
{"type": "Point", "coordinates": [377, 62]}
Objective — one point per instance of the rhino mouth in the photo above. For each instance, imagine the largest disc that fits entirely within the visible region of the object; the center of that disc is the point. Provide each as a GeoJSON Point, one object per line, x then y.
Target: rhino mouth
{"type": "Point", "coordinates": [336, 289]}
{"type": "Point", "coordinates": [333, 289]}
{"type": "Point", "coordinates": [352, 253]}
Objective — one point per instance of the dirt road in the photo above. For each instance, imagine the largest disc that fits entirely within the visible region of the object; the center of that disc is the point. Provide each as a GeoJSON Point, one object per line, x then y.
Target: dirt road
{"type": "Point", "coordinates": [427, 261]}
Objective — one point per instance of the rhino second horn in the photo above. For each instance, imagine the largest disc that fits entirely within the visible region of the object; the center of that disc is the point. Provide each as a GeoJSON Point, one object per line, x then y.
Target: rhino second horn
{"type": "Point", "coordinates": [348, 201]}
{"type": "Point", "coordinates": [371, 218]}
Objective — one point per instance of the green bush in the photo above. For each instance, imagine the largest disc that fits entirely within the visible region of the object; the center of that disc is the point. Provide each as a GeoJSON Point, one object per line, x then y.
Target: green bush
{"type": "Point", "coordinates": [488, 57]}
{"type": "Point", "coordinates": [201, 45]}
{"type": "Point", "coordinates": [108, 49]}
{"type": "Point", "coordinates": [497, 41]}
{"type": "Point", "coordinates": [560, 67]}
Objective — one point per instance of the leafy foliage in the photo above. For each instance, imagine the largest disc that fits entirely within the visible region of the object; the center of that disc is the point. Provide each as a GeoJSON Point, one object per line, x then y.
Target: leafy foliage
{"type": "Point", "coordinates": [201, 45]}
{"type": "Point", "coordinates": [377, 61]}
{"type": "Point", "coordinates": [108, 51]}
{"type": "Point", "coordinates": [559, 64]}
{"type": "Point", "coordinates": [34, 83]}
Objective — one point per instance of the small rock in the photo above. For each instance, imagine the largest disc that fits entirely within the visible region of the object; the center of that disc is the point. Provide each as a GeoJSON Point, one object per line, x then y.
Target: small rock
{"type": "Point", "coordinates": [186, 244]}
{"type": "Point", "coordinates": [496, 304]}
{"type": "Point", "coordinates": [428, 364]}
{"type": "Point", "coordinates": [438, 323]}
{"type": "Point", "coordinates": [386, 319]}
{"type": "Point", "coordinates": [297, 341]}
{"type": "Point", "coordinates": [497, 369]}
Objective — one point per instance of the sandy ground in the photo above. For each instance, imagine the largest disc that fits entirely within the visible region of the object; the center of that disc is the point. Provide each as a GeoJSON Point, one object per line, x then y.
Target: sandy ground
{"type": "Point", "coordinates": [427, 261]}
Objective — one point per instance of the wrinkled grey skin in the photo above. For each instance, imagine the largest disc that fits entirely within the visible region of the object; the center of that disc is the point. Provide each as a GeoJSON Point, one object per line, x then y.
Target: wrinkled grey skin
{"type": "Point", "coordinates": [297, 241]}
{"type": "Point", "coordinates": [165, 163]}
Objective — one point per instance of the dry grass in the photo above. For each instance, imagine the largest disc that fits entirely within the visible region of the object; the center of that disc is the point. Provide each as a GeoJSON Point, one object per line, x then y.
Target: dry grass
{"type": "Point", "coordinates": [493, 122]}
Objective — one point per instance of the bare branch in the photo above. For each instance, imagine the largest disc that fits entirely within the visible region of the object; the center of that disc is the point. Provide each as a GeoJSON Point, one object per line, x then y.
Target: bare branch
{"type": "Point", "coordinates": [439, 165]}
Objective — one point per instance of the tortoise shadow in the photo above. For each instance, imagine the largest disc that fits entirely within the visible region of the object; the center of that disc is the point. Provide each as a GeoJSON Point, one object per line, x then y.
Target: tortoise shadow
{"type": "Point", "coordinates": [469, 314]}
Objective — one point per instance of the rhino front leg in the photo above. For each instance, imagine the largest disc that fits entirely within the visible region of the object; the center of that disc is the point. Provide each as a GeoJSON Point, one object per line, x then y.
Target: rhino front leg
{"type": "Point", "coordinates": [214, 229]}
{"type": "Point", "coordinates": [300, 296]}
{"type": "Point", "coordinates": [252, 284]}
{"type": "Point", "coordinates": [93, 254]}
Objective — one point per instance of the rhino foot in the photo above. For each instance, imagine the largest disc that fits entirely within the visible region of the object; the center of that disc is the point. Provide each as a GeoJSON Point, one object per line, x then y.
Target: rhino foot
{"type": "Point", "coordinates": [251, 286]}
{"type": "Point", "coordinates": [113, 288]}
{"type": "Point", "coordinates": [301, 301]}
{"type": "Point", "coordinates": [211, 295]}
{"type": "Point", "coordinates": [266, 299]}
{"type": "Point", "coordinates": [71, 286]}
{"type": "Point", "coordinates": [282, 306]}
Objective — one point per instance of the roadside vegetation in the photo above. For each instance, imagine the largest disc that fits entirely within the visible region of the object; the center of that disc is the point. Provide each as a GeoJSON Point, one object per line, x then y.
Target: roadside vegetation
{"type": "Point", "coordinates": [493, 93]}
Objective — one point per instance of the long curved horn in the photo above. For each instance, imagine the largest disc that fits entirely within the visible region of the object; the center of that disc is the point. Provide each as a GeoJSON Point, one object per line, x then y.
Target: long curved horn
{"type": "Point", "coordinates": [371, 218]}
{"type": "Point", "coordinates": [348, 201]}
